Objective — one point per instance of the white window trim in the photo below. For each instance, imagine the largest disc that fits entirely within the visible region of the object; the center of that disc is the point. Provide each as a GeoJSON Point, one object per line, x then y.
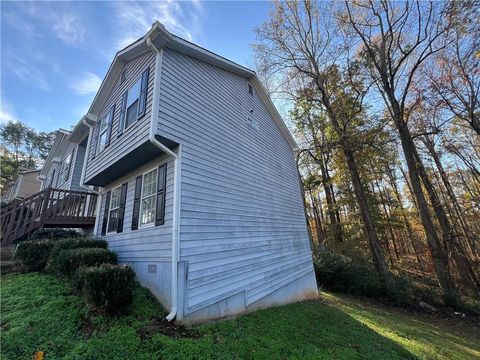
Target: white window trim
{"type": "Point", "coordinates": [110, 209]}
{"type": "Point", "coordinates": [138, 104]}
{"type": "Point", "coordinates": [152, 224]}
{"type": "Point", "coordinates": [249, 84]}
{"type": "Point", "coordinates": [62, 168]}
{"type": "Point", "coordinates": [99, 136]}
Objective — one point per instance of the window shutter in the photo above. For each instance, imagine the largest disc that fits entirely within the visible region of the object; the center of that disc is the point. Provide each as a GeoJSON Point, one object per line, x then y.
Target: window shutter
{"type": "Point", "coordinates": [121, 209]}
{"type": "Point", "coordinates": [162, 184]}
{"type": "Point", "coordinates": [105, 213]}
{"type": "Point", "coordinates": [142, 101]}
{"type": "Point", "coordinates": [96, 132]}
{"type": "Point", "coordinates": [123, 112]}
{"type": "Point", "coordinates": [110, 122]}
{"type": "Point", "coordinates": [136, 203]}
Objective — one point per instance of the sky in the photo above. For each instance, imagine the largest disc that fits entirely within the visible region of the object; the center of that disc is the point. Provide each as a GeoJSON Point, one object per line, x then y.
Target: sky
{"type": "Point", "coordinates": [54, 55]}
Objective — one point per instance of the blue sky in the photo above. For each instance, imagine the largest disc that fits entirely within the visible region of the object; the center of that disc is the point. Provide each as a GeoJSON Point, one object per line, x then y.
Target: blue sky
{"type": "Point", "coordinates": [55, 54]}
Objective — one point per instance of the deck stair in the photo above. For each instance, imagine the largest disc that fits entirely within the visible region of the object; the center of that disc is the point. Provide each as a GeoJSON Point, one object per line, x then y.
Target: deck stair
{"type": "Point", "coordinates": [7, 263]}
{"type": "Point", "coordinates": [47, 208]}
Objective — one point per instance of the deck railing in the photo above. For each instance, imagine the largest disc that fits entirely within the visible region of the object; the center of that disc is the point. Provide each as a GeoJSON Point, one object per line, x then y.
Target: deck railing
{"type": "Point", "coordinates": [47, 208]}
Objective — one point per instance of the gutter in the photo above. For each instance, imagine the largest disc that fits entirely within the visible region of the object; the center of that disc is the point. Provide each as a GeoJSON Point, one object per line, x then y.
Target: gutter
{"type": "Point", "coordinates": [177, 175]}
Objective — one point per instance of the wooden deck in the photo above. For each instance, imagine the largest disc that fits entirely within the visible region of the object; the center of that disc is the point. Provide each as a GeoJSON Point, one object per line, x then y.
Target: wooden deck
{"type": "Point", "coordinates": [47, 208]}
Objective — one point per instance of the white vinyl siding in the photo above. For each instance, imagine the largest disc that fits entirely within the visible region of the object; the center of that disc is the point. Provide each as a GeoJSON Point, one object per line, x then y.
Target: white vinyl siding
{"type": "Point", "coordinates": [243, 227]}
{"type": "Point", "coordinates": [138, 132]}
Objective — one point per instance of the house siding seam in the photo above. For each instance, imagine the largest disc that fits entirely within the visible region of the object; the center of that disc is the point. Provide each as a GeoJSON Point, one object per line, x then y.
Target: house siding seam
{"type": "Point", "coordinates": [243, 226]}
{"type": "Point", "coordinates": [137, 133]}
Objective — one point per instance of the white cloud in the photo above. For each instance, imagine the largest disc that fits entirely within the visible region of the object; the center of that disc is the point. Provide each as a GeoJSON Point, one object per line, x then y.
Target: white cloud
{"type": "Point", "coordinates": [25, 70]}
{"type": "Point", "coordinates": [68, 29]}
{"type": "Point", "coordinates": [88, 84]}
{"type": "Point", "coordinates": [135, 18]}
{"type": "Point", "coordinates": [33, 19]}
{"type": "Point", "coordinates": [6, 113]}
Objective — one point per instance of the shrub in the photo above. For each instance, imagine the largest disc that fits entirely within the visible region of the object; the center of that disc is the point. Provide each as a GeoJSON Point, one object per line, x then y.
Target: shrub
{"type": "Point", "coordinates": [34, 254]}
{"type": "Point", "coordinates": [339, 273]}
{"type": "Point", "coordinates": [107, 287]}
{"type": "Point", "coordinates": [66, 262]}
{"type": "Point", "coordinates": [55, 234]}
{"type": "Point", "coordinates": [76, 243]}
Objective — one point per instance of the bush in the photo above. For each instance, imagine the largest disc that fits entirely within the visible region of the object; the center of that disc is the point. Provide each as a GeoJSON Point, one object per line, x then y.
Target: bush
{"type": "Point", "coordinates": [66, 262]}
{"type": "Point", "coordinates": [76, 243]}
{"type": "Point", "coordinates": [55, 234]}
{"type": "Point", "coordinates": [339, 273]}
{"type": "Point", "coordinates": [34, 254]}
{"type": "Point", "coordinates": [107, 287]}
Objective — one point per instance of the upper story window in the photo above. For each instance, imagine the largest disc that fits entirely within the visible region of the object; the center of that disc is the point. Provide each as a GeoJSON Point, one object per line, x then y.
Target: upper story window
{"type": "Point", "coordinates": [132, 103]}
{"type": "Point", "coordinates": [103, 133]}
{"type": "Point", "coordinates": [65, 172]}
{"type": "Point", "coordinates": [250, 89]}
{"type": "Point", "coordinates": [148, 198]}
{"type": "Point", "coordinates": [114, 210]}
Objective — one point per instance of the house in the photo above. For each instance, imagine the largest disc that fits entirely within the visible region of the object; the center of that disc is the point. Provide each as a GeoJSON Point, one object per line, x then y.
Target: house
{"type": "Point", "coordinates": [59, 199]}
{"type": "Point", "coordinates": [23, 184]}
{"type": "Point", "coordinates": [64, 164]}
{"type": "Point", "coordinates": [199, 190]}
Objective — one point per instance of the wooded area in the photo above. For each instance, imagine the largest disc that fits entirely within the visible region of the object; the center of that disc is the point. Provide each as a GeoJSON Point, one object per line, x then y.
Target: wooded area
{"type": "Point", "coordinates": [386, 113]}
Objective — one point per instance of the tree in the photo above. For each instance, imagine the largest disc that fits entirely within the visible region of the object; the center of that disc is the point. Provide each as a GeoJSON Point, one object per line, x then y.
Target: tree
{"type": "Point", "coordinates": [22, 147]}
{"type": "Point", "coordinates": [299, 40]}
{"type": "Point", "coordinates": [396, 39]}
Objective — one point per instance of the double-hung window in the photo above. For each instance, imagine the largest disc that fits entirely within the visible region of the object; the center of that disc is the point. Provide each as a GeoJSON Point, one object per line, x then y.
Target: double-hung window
{"type": "Point", "coordinates": [114, 209]}
{"type": "Point", "coordinates": [149, 198]}
{"type": "Point", "coordinates": [132, 104]}
{"type": "Point", "coordinates": [65, 172]}
{"type": "Point", "coordinates": [103, 133]}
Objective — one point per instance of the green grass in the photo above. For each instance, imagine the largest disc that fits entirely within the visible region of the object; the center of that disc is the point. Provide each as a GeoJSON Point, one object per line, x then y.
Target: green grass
{"type": "Point", "coordinates": [40, 313]}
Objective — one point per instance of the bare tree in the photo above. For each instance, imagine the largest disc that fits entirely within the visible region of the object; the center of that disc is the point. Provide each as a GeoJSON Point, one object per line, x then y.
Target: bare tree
{"type": "Point", "coordinates": [300, 40]}
{"type": "Point", "coordinates": [396, 39]}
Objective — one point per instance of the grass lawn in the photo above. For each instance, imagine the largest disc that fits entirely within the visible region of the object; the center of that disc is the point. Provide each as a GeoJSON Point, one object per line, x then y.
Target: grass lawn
{"type": "Point", "coordinates": [40, 313]}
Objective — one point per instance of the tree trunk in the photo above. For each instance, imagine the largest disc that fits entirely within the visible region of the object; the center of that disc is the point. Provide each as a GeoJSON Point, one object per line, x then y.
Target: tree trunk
{"type": "Point", "coordinates": [405, 219]}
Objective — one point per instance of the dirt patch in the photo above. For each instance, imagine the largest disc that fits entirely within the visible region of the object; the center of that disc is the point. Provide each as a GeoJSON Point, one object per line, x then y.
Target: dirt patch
{"type": "Point", "coordinates": [164, 327]}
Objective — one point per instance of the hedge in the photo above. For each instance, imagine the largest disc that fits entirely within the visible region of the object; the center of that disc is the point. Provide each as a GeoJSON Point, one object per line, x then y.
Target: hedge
{"type": "Point", "coordinates": [66, 262]}
{"type": "Point", "coordinates": [34, 255]}
{"type": "Point", "coordinates": [75, 243]}
{"type": "Point", "coordinates": [55, 234]}
{"type": "Point", "coordinates": [107, 287]}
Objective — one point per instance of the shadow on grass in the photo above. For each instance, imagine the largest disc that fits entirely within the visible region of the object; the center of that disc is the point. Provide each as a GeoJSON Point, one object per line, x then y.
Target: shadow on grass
{"type": "Point", "coordinates": [39, 314]}
{"type": "Point", "coordinates": [303, 331]}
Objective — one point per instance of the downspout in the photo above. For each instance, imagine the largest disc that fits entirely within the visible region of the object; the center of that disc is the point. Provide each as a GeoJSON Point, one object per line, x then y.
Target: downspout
{"type": "Point", "coordinates": [177, 182]}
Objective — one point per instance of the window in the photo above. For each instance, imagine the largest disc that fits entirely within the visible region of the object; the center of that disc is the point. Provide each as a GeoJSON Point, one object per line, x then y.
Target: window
{"type": "Point", "coordinates": [103, 133]}
{"type": "Point", "coordinates": [123, 76]}
{"type": "Point", "coordinates": [65, 173]}
{"type": "Point", "coordinates": [250, 89]}
{"type": "Point", "coordinates": [132, 104]}
{"type": "Point", "coordinates": [149, 198]}
{"type": "Point", "coordinates": [50, 178]}
{"type": "Point", "coordinates": [114, 209]}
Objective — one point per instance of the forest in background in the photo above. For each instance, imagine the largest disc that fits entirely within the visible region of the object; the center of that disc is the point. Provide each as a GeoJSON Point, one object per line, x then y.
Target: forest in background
{"type": "Point", "coordinates": [386, 115]}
